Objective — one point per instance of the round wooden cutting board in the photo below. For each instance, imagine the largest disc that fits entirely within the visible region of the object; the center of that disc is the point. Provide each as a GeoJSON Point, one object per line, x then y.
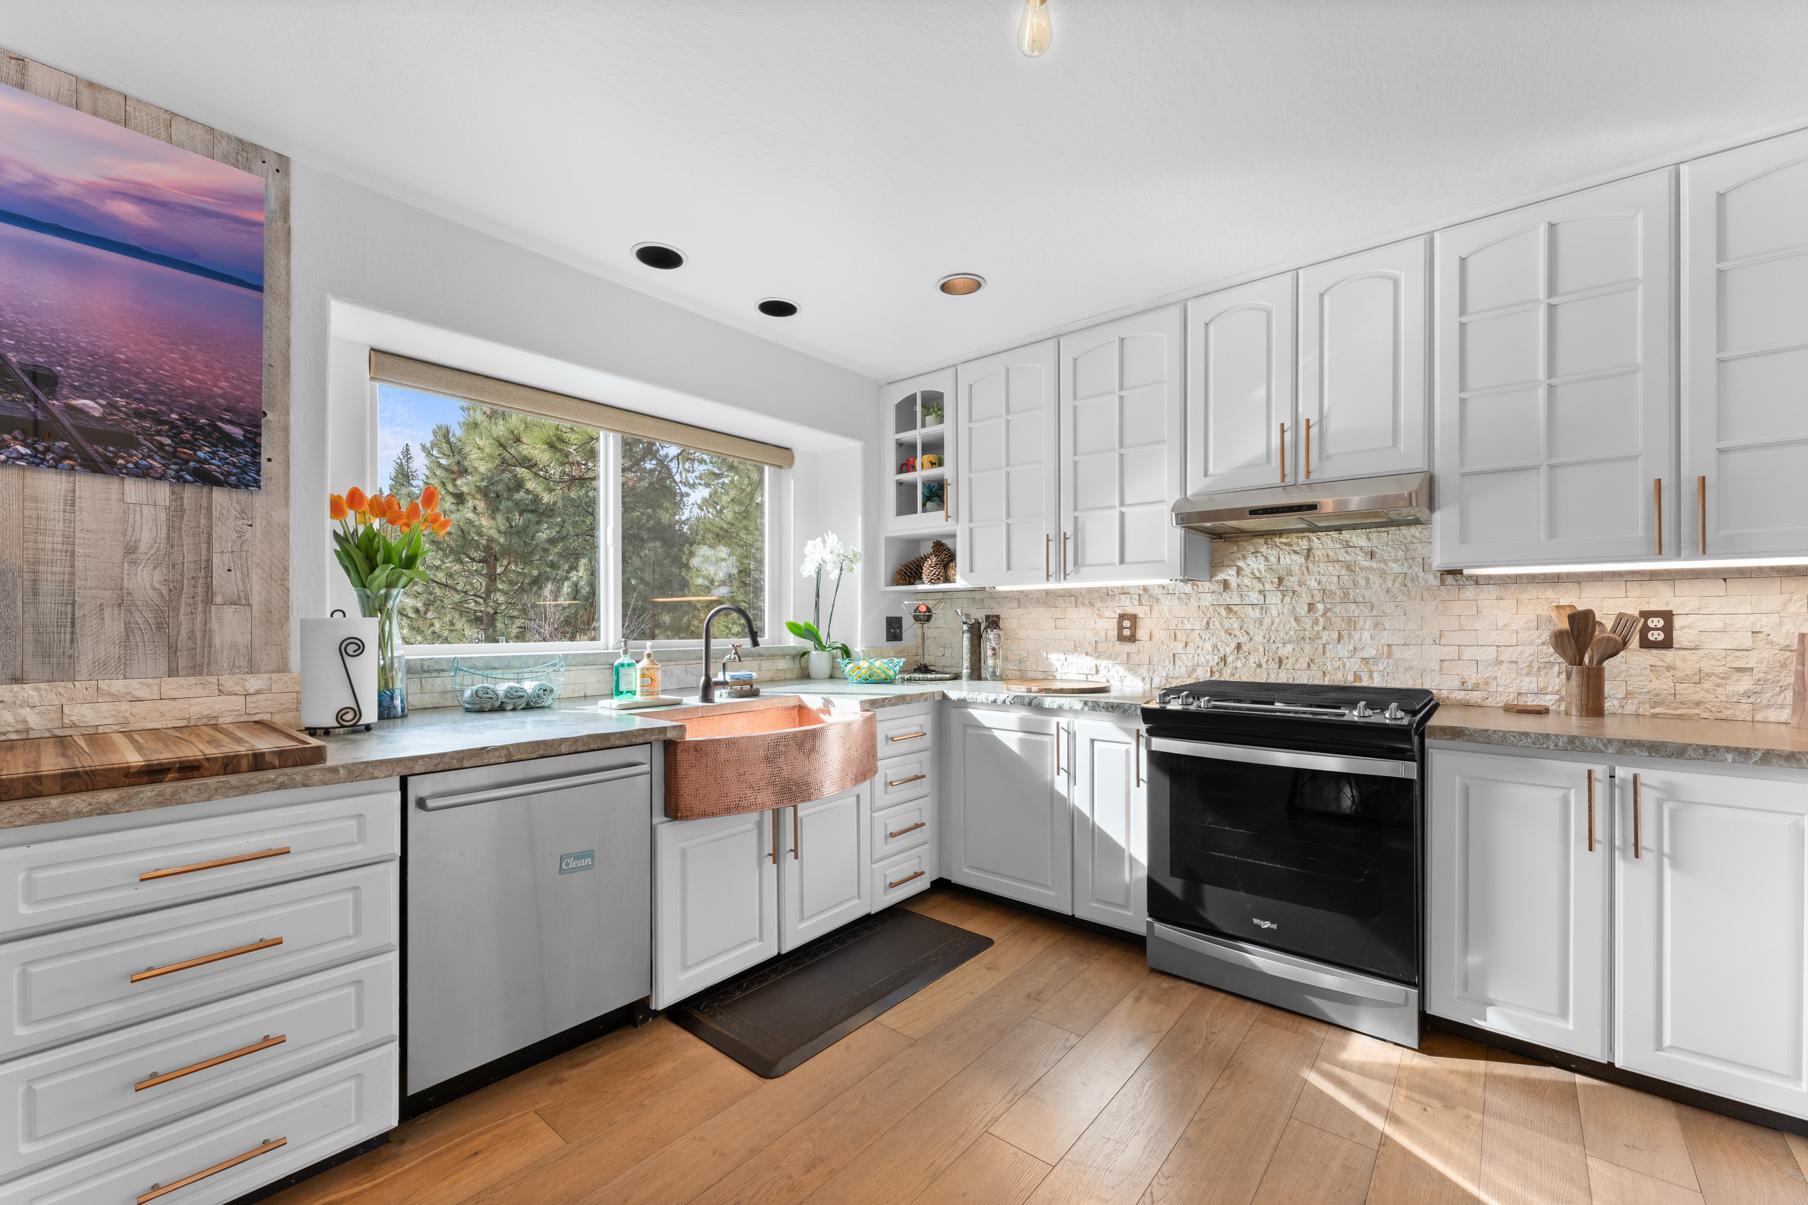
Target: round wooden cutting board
{"type": "Point", "coordinates": [1055, 686]}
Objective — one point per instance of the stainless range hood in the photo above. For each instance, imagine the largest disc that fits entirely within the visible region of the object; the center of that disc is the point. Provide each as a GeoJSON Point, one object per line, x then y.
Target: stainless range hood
{"type": "Point", "coordinates": [1398, 501]}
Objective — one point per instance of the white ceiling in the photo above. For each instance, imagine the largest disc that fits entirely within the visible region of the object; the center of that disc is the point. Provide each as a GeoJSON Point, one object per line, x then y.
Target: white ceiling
{"type": "Point", "coordinates": [847, 153]}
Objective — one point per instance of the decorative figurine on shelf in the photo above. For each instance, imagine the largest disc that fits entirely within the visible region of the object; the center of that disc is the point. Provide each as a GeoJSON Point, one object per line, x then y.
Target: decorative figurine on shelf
{"type": "Point", "coordinates": [909, 465]}
{"type": "Point", "coordinates": [932, 495]}
{"type": "Point", "coordinates": [930, 460]}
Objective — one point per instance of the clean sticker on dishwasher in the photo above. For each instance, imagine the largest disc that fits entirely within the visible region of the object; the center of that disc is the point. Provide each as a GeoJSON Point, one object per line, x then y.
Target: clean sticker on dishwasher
{"type": "Point", "coordinates": [571, 863]}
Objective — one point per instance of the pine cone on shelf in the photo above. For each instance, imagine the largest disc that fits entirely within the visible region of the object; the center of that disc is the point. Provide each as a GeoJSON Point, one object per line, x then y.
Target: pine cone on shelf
{"type": "Point", "coordinates": [935, 565]}
{"type": "Point", "coordinates": [910, 572]}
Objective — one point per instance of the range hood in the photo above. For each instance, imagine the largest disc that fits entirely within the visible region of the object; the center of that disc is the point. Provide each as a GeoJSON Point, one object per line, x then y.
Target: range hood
{"type": "Point", "coordinates": [1399, 501]}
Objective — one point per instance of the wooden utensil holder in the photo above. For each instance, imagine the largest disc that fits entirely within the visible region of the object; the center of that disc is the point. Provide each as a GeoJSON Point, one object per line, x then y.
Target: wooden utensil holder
{"type": "Point", "coordinates": [1585, 690]}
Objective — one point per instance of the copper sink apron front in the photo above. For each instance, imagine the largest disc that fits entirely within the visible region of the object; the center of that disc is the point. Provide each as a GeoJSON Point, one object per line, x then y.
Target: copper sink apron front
{"type": "Point", "coordinates": [749, 760]}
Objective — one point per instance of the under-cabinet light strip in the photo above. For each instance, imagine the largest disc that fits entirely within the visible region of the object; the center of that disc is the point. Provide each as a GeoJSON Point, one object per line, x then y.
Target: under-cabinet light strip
{"type": "Point", "coordinates": [1667, 565]}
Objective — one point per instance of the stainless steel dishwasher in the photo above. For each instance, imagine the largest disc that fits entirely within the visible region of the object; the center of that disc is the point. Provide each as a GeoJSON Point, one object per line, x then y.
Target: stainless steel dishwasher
{"type": "Point", "coordinates": [528, 909]}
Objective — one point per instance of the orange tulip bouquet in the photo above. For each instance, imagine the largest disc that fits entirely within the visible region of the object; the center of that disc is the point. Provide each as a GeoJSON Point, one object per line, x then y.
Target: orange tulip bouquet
{"type": "Point", "coordinates": [380, 542]}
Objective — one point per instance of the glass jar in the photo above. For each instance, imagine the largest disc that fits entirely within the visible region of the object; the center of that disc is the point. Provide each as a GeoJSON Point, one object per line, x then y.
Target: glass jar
{"type": "Point", "coordinates": [385, 606]}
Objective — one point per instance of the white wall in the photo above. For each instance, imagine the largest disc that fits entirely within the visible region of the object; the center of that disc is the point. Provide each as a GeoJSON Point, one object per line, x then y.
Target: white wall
{"type": "Point", "coordinates": [367, 270]}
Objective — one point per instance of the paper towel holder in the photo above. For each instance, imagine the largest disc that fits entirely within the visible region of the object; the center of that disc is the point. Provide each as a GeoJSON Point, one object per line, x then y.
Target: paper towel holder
{"type": "Point", "coordinates": [338, 683]}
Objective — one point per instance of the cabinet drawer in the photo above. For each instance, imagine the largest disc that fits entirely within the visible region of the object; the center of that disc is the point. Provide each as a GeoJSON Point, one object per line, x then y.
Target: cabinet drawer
{"type": "Point", "coordinates": [232, 1148]}
{"type": "Point", "coordinates": [903, 827]}
{"type": "Point", "coordinates": [77, 982]}
{"type": "Point", "coordinates": [903, 876]}
{"type": "Point", "coordinates": [169, 860]}
{"type": "Point", "coordinates": [904, 734]}
{"type": "Point", "coordinates": [902, 779]}
{"type": "Point", "coordinates": [60, 1102]}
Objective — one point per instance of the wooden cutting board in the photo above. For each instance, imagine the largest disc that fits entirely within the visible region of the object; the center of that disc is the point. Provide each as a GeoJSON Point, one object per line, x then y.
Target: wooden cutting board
{"type": "Point", "coordinates": [96, 761]}
{"type": "Point", "coordinates": [1056, 686]}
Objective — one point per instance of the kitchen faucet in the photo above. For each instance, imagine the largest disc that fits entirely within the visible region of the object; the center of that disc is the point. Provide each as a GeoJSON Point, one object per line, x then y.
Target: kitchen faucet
{"type": "Point", "coordinates": [706, 690]}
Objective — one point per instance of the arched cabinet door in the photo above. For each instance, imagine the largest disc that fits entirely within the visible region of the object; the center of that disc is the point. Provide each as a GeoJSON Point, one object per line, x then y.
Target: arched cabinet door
{"type": "Point", "coordinates": [1362, 339]}
{"type": "Point", "coordinates": [1239, 388]}
{"type": "Point", "coordinates": [1745, 351]}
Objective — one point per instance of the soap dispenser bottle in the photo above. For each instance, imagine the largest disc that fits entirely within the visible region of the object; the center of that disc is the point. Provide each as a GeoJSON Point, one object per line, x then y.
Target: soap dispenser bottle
{"type": "Point", "coordinates": [648, 673]}
{"type": "Point", "coordinates": [627, 674]}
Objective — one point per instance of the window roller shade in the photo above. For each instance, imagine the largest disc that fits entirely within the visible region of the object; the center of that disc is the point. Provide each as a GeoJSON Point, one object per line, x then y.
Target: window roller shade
{"type": "Point", "coordinates": [544, 403]}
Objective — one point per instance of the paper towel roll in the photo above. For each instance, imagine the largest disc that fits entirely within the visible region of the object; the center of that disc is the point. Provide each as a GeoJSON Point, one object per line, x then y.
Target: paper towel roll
{"type": "Point", "coordinates": [338, 672]}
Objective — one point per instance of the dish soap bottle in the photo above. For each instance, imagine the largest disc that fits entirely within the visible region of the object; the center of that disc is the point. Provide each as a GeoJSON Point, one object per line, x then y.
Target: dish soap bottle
{"type": "Point", "coordinates": [649, 673]}
{"type": "Point", "coordinates": [627, 677]}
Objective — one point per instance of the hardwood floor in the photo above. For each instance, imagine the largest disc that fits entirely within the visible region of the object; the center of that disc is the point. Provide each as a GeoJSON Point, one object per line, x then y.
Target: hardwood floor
{"type": "Point", "coordinates": [1057, 1067]}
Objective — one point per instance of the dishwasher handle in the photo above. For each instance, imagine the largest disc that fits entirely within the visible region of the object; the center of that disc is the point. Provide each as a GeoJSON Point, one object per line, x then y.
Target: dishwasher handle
{"type": "Point", "coordinates": [515, 790]}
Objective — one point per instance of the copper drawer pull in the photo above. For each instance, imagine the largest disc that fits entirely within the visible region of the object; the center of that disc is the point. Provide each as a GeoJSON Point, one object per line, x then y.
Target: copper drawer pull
{"type": "Point", "coordinates": [1657, 509]}
{"type": "Point", "coordinates": [188, 964]}
{"type": "Point", "coordinates": [906, 736]}
{"type": "Point", "coordinates": [1283, 447]}
{"type": "Point", "coordinates": [1701, 511]}
{"type": "Point", "coordinates": [158, 1190]}
{"type": "Point", "coordinates": [909, 828]}
{"type": "Point", "coordinates": [1308, 449]}
{"type": "Point", "coordinates": [898, 782]}
{"type": "Point", "coordinates": [215, 1061]}
{"type": "Point", "coordinates": [1638, 825]}
{"type": "Point", "coordinates": [896, 883]}
{"type": "Point", "coordinates": [1591, 811]}
{"type": "Point", "coordinates": [215, 864]}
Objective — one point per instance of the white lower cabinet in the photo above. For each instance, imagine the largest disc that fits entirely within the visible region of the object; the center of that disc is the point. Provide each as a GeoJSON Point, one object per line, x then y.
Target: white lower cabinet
{"type": "Point", "coordinates": [1009, 831]}
{"type": "Point", "coordinates": [1517, 904]}
{"type": "Point", "coordinates": [1110, 825]}
{"type": "Point", "coordinates": [1700, 923]}
{"type": "Point", "coordinates": [1712, 961]}
{"type": "Point", "coordinates": [733, 891]}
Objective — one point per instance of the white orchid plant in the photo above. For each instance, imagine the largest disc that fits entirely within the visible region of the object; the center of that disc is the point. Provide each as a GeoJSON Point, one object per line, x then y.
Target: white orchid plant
{"type": "Point", "coordinates": [825, 554]}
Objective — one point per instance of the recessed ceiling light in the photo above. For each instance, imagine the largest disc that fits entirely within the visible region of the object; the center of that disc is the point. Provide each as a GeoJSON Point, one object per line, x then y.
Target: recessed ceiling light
{"type": "Point", "coordinates": [961, 283]}
{"type": "Point", "coordinates": [659, 255]}
{"type": "Point", "coordinates": [778, 307]}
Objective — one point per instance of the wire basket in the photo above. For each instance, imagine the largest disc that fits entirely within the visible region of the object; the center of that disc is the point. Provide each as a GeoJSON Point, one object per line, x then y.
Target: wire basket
{"type": "Point", "coordinates": [508, 683]}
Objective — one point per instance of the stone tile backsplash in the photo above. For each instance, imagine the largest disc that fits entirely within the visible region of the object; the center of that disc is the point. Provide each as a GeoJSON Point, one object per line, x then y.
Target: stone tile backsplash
{"type": "Point", "coordinates": [1366, 607]}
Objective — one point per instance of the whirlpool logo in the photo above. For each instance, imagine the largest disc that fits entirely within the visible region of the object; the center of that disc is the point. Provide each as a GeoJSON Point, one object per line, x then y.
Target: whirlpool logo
{"type": "Point", "coordinates": [1265, 924]}
{"type": "Point", "coordinates": [583, 859]}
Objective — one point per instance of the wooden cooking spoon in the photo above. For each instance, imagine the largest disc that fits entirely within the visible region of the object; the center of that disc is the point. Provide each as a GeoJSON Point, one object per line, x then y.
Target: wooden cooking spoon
{"type": "Point", "coordinates": [1565, 646]}
{"type": "Point", "coordinates": [1603, 648]}
{"type": "Point", "coordinates": [1581, 631]}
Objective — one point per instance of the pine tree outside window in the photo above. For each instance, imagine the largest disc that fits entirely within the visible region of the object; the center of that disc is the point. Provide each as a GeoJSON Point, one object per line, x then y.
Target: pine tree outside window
{"type": "Point", "coordinates": [563, 534]}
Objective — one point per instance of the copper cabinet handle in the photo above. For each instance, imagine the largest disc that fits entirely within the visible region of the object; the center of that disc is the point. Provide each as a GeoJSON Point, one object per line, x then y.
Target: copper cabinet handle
{"type": "Point", "coordinates": [188, 964]}
{"type": "Point", "coordinates": [1048, 541]}
{"type": "Point", "coordinates": [909, 828]}
{"type": "Point", "coordinates": [214, 864]}
{"type": "Point", "coordinates": [1063, 554]}
{"type": "Point", "coordinates": [1591, 811]}
{"type": "Point", "coordinates": [895, 883]}
{"type": "Point", "coordinates": [154, 1079]}
{"type": "Point", "coordinates": [1058, 768]}
{"type": "Point", "coordinates": [1283, 446]}
{"type": "Point", "coordinates": [158, 1190]}
{"type": "Point", "coordinates": [1308, 449]}
{"type": "Point", "coordinates": [1657, 508]}
{"type": "Point", "coordinates": [797, 832]}
{"type": "Point", "coordinates": [775, 812]}
{"type": "Point", "coordinates": [898, 782]}
{"type": "Point", "coordinates": [1138, 762]}
{"type": "Point", "coordinates": [1638, 826]}
{"type": "Point", "coordinates": [947, 495]}
{"type": "Point", "coordinates": [1701, 510]}
{"type": "Point", "coordinates": [906, 736]}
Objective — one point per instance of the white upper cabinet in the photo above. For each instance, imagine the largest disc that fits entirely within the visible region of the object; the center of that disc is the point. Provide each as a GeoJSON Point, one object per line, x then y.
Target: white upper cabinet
{"type": "Point", "coordinates": [918, 443]}
{"type": "Point", "coordinates": [1555, 393]}
{"type": "Point", "coordinates": [1120, 448]}
{"type": "Point", "coordinates": [1006, 472]}
{"type": "Point", "coordinates": [1745, 351]}
{"type": "Point", "coordinates": [1239, 392]}
{"type": "Point", "coordinates": [1713, 957]}
{"type": "Point", "coordinates": [1362, 407]}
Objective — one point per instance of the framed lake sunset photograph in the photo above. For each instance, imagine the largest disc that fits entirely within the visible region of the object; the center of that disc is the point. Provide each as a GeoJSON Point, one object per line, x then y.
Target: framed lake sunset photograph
{"type": "Point", "coordinates": [131, 302]}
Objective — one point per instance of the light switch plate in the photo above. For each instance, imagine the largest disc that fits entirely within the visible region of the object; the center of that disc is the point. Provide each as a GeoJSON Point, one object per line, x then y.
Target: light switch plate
{"type": "Point", "coordinates": [1657, 629]}
{"type": "Point", "coordinates": [894, 628]}
{"type": "Point", "coordinates": [1126, 627]}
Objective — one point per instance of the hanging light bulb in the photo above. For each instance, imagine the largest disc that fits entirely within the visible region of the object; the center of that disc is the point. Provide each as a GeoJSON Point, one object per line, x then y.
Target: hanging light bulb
{"type": "Point", "coordinates": [1034, 32]}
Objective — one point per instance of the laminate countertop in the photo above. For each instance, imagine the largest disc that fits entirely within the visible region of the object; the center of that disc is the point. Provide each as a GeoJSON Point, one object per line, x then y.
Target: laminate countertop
{"type": "Point", "coordinates": [1728, 742]}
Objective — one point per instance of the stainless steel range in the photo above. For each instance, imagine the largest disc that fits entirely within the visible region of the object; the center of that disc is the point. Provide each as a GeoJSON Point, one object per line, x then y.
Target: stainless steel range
{"type": "Point", "coordinates": [1284, 829]}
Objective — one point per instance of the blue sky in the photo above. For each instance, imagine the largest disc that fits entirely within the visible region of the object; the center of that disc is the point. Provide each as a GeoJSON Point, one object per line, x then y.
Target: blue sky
{"type": "Point", "coordinates": [408, 416]}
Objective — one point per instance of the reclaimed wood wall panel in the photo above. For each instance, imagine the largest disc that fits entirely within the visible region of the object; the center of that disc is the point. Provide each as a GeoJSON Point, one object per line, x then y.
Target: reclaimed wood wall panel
{"type": "Point", "coordinates": [112, 578]}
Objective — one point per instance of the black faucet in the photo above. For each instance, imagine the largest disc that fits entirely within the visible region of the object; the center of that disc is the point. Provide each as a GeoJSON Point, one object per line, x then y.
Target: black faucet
{"type": "Point", "coordinates": [706, 690]}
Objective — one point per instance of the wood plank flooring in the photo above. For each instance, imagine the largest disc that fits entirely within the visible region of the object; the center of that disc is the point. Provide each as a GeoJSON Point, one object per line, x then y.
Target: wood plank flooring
{"type": "Point", "coordinates": [1057, 1068]}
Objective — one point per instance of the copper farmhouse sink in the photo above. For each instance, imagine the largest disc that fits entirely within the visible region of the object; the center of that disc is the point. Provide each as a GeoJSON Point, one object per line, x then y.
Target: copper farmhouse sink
{"type": "Point", "coordinates": [770, 753]}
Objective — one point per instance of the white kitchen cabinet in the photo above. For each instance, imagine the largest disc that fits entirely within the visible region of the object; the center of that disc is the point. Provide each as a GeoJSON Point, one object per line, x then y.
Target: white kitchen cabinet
{"type": "Point", "coordinates": [1239, 387]}
{"type": "Point", "coordinates": [1518, 899]}
{"type": "Point", "coordinates": [1362, 327]}
{"type": "Point", "coordinates": [1110, 825]}
{"type": "Point", "coordinates": [1006, 471]}
{"type": "Point", "coordinates": [823, 874]}
{"type": "Point", "coordinates": [1120, 445]}
{"type": "Point", "coordinates": [1008, 826]}
{"type": "Point", "coordinates": [1712, 953]}
{"type": "Point", "coordinates": [1745, 351]}
{"type": "Point", "coordinates": [918, 422]}
{"type": "Point", "coordinates": [1555, 394]}
{"type": "Point", "coordinates": [715, 886]}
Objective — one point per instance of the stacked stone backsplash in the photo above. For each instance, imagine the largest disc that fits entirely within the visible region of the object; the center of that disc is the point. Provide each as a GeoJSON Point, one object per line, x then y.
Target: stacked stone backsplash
{"type": "Point", "coordinates": [1366, 607]}
{"type": "Point", "coordinates": [113, 705]}
{"type": "Point", "coordinates": [588, 674]}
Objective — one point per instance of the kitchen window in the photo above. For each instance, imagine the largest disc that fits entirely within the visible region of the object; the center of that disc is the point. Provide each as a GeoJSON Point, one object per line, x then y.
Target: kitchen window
{"type": "Point", "coordinates": [566, 533]}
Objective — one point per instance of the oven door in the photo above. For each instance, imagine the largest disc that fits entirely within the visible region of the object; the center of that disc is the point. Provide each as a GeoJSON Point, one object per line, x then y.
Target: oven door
{"type": "Point", "coordinates": [1311, 853]}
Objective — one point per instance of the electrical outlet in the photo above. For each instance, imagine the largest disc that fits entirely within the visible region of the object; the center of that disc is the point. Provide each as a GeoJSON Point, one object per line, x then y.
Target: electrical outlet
{"type": "Point", "coordinates": [1126, 627]}
{"type": "Point", "coordinates": [1657, 629]}
{"type": "Point", "coordinates": [894, 628]}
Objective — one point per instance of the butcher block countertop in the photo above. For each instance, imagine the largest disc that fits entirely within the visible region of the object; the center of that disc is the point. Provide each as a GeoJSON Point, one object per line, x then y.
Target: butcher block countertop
{"type": "Point", "coordinates": [1728, 742]}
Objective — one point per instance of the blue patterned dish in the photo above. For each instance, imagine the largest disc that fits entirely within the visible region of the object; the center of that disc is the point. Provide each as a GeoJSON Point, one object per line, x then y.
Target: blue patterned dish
{"type": "Point", "coordinates": [872, 671]}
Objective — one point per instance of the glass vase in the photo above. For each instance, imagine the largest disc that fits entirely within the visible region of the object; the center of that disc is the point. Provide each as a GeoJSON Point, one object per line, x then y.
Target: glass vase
{"type": "Point", "coordinates": [385, 606]}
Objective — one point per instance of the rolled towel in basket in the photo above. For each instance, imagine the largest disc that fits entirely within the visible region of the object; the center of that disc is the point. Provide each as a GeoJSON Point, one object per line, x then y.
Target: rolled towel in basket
{"type": "Point", "coordinates": [514, 696]}
{"type": "Point", "coordinates": [481, 697]}
{"type": "Point", "coordinates": [540, 694]}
